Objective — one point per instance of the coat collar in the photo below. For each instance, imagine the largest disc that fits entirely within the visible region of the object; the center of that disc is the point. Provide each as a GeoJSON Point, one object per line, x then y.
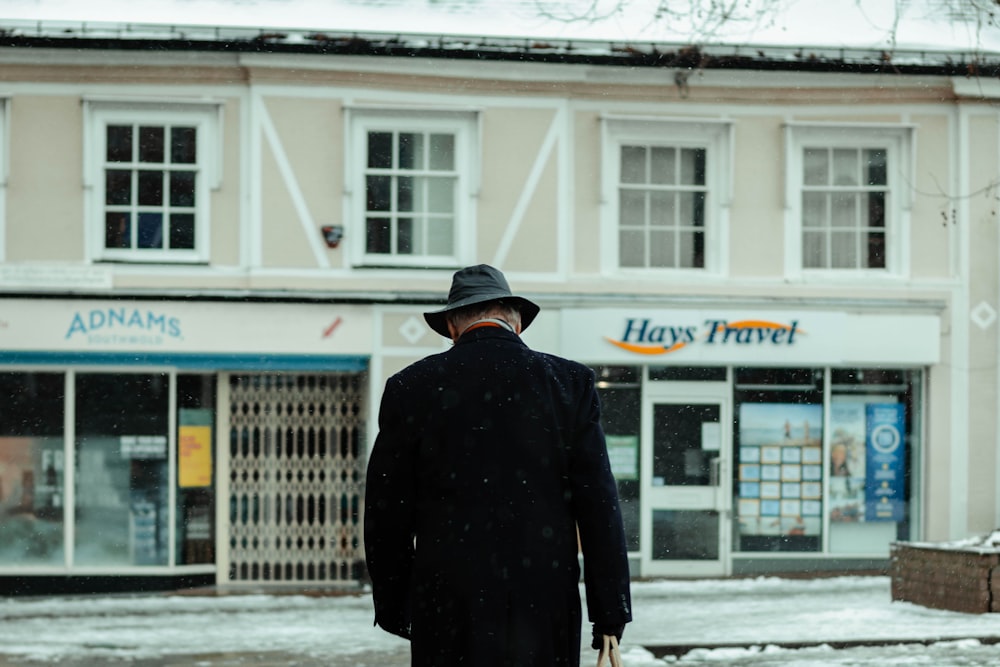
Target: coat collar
{"type": "Point", "coordinates": [488, 333]}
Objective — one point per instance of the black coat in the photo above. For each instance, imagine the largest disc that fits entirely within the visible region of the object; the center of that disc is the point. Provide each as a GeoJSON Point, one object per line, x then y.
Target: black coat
{"type": "Point", "coordinates": [488, 458]}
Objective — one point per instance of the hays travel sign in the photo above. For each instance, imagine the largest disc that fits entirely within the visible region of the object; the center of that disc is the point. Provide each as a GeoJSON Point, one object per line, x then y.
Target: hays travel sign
{"type": "Point", "coordinates": [750, 337]}
{"type": "Point", "coordinates": [644, 336]}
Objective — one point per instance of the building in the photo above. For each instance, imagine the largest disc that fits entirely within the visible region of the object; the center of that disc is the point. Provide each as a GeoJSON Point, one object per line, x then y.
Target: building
{"type": "Point", "coordinates": [217, 245]}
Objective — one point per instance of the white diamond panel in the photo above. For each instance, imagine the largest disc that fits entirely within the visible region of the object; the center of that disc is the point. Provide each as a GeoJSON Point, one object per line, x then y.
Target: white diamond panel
{"type": "Point", "coordinates": [296, 477]}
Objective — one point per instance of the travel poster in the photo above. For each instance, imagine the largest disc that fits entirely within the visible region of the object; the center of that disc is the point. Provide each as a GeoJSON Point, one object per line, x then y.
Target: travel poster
{"type": "Point", "coordinates": [884, 482]}
{"type": "Point", "coordinates": [779, 449]}
{"type": "Point", "coordinates": [847, 462]}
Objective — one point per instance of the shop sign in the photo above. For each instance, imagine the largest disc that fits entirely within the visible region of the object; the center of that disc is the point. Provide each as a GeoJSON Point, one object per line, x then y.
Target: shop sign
{"type": "Point", "coordinates": [123, 325]}
{"type": "Point", "coordinates": [691, 337]}
{"type": "Point", "coordinates": [885, 449]}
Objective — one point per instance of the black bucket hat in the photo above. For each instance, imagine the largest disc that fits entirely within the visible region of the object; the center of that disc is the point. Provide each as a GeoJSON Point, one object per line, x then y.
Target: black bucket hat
{"type": "Point", "coordinates": [479, 284]}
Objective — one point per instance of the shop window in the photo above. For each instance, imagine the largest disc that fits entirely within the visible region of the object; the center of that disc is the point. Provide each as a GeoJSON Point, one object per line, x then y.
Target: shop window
{"type": "Point", "coordinates": [32, 467]}
{"type": "Point", "coordinates": [415, 182]}
{"type": "Point", "coordinates": [667, 185]}
{"type": "Point", "coordinates": [620, 392]}
{"type": "Point", "coordinates": [848, 491]}
{"type": "Point", "coordinates": [152, 171]}
{"type": "Point", "coordinates": [121, 491]}
{"type": "Point", "coordinates": [847, 198]}
{"type": "Point", "coordinates": [778, 480]}
{"type": "Point", "coordinates": [195, 469]}
{"type": "Point", "coordinates": [873, 450]}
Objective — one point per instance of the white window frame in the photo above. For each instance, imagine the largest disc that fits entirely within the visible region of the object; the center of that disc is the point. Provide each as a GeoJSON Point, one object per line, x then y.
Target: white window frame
{"type": "Point", "coordinates": [897, 141]}
{"type": "Point", "coordinates": [464, 124]}
{"type": "Point", "coordinates": [716, 138]}
{"type": "Point", "coordinates": [205, 117]}
{"type": "Point", "coordinates": [4, 171]}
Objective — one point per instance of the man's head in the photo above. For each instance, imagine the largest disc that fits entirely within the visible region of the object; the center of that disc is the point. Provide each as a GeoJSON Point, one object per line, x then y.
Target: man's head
{"type": "Point", "coordinates": [479, 292]}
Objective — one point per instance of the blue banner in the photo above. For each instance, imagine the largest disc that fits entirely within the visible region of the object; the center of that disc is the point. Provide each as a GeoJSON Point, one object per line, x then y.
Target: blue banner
{"type": "Point", "coordinates": [885, 462]}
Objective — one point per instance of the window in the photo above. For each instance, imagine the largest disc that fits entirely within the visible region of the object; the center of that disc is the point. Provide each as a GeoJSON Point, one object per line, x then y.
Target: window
{"type": "Point", "coordinates": [847, 200]}
{"type": "Point", "coordinates": [667, 189]}
{"type": "Point", "coordinates": [151, 175]}
{"type": "Point", "coordinates": [416, 183]}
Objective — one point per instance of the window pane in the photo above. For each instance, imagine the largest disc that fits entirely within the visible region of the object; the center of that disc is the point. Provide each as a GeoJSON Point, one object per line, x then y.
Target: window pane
{"type": "Point", "coordinates": [117, 187]}
{"type": "Point", "coordinates": [406, 243]}
{"type": "Point", "coordinates": [150, 188]}
{"type": "Point", "coordinates": [151, 144]}
{"type": "Point", "coordinates": [632, 208]}
{"type": "Point", "coordinates": [182, 231]}
{"type": "Point", "coordinates": [31, 469]}
{"type": "Point", "coordinates": [380, 150]}
{"type": "Point", "coordinates": [442, 156]}
{"type": "Point", "coordinates": [183, 145]}
{"type": "Point", "coordinates": [662, 249]}
{"type": "Point", "coordinates": [119, 147]}
{"type": "Point", "coordinates": [693, 166]}
{"type": "Point", "coordinates": [815, 167]}
{"type": "Point", "coordinates": [875, 167]}
{"type": "Point", "coordinates": [633, 165]}
{"type": "Point", "coordinates": [379, 190]}
{"type": "Point", "coordinates": [844, 250]}
{"type": "Point", "coordinates": [661, 208]}
{"type": "Point", "coordinates": [698, 209]}
{"type": "Point", "coordinates": [150, 230]}
{"type": "Point", "coordinates": [846, 169]}
{"type": "Point", "coordinates": [117, 230]}
{"type": "Point", "coordinates": [692, 209]}
{"type": "Point", "coordinates": [182, 188]}
{"type": "Point", "coordinates": [844, 210]}
{"type": "Point", "coordinates": [121, 469]}
{"type": "Point", "coordinates": [404, 193]}
{"type": "Point", "coordinates": [876, 209]}
{"type": "Point", "coordinates": [439, 236]}
{"type": "Point", "coordinates": [662, 166]}
{"type": "Point", "coordinates": [685, 535]}
{"type": "Point", "coordinates": [631, 248]}
{"type": "Point", "coordinates": [813, 209]}
{"type": "Point", "coordinates": [195, 509]}
{"type": "Point", "coordinates": [814, 250]}
{"type": "Point", "coordinates": [378, 235]}
{"type": "Point", "coordinates": [441, 195]}
{"type": "Point", "coordinates": [411, 150]}
{"type": "Point", "coordinates": [876, 250]}
{"type": "Point", "coordinates": [692, 250]}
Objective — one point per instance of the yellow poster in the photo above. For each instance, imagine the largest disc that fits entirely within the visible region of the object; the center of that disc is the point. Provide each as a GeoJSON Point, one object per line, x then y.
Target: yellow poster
{"type": "Point", "coordinates": [194, 456]}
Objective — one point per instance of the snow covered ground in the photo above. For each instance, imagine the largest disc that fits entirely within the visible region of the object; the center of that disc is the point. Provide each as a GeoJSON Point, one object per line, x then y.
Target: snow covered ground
{"type": "Point", "coordinates": [747, 622]}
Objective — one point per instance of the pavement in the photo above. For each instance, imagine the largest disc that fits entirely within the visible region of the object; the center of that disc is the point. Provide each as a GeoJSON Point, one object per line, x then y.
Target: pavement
{"type": "Point", "coordinates": [765, 622]}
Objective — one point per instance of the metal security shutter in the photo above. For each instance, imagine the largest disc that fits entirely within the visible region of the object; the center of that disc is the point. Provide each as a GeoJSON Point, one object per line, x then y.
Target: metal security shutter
{"type": "Point", "coordinates": [296, 476]}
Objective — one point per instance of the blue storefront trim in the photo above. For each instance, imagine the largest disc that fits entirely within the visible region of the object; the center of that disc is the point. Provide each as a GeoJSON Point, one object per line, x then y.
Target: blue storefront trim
{"type": "Point", "coordinates": [190, 361]}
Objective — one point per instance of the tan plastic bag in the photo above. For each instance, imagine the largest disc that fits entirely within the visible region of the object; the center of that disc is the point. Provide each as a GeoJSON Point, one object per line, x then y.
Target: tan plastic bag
{"type": "Point", "coordinates": [609, 654]}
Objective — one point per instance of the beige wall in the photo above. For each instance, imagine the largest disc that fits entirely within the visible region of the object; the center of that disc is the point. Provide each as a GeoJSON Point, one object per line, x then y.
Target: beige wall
{"type": "Point", "coordinates": [44, 217]}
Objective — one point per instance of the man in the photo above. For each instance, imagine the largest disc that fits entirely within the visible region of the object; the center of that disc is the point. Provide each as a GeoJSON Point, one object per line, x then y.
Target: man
{"type": "Point", "coordinates": [489, 458]}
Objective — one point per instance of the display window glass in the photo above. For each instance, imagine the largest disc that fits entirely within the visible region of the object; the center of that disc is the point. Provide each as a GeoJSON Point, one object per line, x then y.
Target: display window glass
{"type": "Point", "coordinates": [121, 469]}
{"type": "Point", "coordinates": [32, 468]}
{"type": "Point", "coordinates": [195, 469]}
{"type": "Point", "coordinates": [620, 391]}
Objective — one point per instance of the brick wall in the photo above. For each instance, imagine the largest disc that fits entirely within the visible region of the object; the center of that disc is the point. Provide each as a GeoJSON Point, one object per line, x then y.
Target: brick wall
{"type": "Point", "coordinates": [966, 580]}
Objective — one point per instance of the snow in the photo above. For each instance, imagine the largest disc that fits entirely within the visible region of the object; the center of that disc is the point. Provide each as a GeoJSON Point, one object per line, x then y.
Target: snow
{"type": "Point", "coordinates": [871, 24]}
{"type": "Point", "coordinates": [755, 622]}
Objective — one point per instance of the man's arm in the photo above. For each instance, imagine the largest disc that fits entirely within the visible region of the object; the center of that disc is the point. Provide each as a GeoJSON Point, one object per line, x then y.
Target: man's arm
{"type": "Point", "coordinates": [598, 515]}
{"type": "Point", "coordinates": [389, 505]}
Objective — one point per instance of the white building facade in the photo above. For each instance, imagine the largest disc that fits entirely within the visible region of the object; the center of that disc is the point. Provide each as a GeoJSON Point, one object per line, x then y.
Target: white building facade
{"type": "Point", "coordinates": [216, 250]}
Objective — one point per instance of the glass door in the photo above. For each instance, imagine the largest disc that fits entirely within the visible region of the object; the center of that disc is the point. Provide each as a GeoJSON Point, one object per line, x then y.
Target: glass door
{"type": "Point", "coordinates": [686, 473]}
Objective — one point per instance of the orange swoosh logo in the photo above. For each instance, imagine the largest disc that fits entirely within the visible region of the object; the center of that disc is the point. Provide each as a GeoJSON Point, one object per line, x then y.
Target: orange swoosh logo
{"type": "Point", "coordinates": [644, 349]}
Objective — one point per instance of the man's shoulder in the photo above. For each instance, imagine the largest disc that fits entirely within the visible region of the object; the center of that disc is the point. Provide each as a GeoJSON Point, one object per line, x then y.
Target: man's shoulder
{"type": "Point", "coordinates": [564, 364]}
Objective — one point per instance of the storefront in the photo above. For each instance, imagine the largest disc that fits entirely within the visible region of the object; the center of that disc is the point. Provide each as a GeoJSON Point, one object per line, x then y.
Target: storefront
{"type": "Point", "coordinates": [133, 432]}
{"type": "Point", "coordinates": [763, 440]}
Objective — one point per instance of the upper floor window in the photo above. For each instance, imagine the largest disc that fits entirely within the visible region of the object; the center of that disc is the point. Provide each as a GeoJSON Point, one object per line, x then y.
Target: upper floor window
{"type": "Point", "coordinates": [150, 176]}
{"type": "Point", "coordinates": [847, 199]}
{"type": "Point", "coordinates": [416, 179]}
{"type": "Point", "coordinates": [667, 188]}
